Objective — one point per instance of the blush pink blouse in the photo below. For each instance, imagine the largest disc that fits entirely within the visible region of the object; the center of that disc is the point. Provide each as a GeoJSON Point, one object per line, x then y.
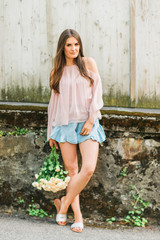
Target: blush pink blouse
{"type": "Point", "coordinates": [77, 100]}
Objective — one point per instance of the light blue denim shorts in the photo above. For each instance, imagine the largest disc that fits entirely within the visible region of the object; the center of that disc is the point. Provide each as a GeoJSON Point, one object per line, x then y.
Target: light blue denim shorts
{"type": "Point", "coordinates": [71, 133]}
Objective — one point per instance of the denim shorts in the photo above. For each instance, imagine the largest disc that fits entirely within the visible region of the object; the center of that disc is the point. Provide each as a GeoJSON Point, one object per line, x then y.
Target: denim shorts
{"type": "Point", "coordinates": [71, 133]}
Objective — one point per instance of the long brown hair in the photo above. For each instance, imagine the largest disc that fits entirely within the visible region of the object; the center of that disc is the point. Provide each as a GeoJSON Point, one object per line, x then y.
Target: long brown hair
{"type": "Point", "coordinates": [60, 60]}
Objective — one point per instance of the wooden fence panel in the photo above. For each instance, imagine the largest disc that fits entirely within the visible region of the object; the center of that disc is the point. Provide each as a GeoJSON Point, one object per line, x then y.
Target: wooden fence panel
{"type": "Point", "coordinates": [147, 53]}
{"type": "Point", "coordinates": [122, 36]}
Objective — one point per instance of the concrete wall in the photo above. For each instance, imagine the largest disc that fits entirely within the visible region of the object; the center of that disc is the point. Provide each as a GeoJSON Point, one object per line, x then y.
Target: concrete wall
{"type": "Point", "coordinates": [122, 36]}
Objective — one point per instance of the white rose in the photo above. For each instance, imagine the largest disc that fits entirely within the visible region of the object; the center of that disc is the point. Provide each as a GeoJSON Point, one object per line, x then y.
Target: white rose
{"type": "Point", "coordinates": [45, 181]}
{"type": "Point", "coordinates": [42, 180]}
{"type": "Point", "coordinates": [57, 180]}
{"type": "Point", "coordinates": [52, 179]}
{"type": "Point", "coordinates": [36, 176]}
{"type": "Point", "coordinates": [57, 169]}
{"type": "Point", "coordinates": [55, 189]}
{"type": "Point", "coordinates": [67, 179]}
{"type": "Point", "coordinates": [35, 184]}
{"type": "Point", "coordinates": [46, 188]}
{"type": "Point", "coordinates": [61, 185]}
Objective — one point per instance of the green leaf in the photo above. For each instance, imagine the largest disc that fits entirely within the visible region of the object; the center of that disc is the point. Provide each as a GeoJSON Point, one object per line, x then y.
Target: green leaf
{"type": "Point", "coordinates": [138, 224]}
{"type": "Point", "coordinates": [51, 168]}
{"type": "Point", "coordinates": [138, 212]}
{"type": "Point", "coordinates": [144, 220]}
{"type": "Point", "coordinates": [135, 207]}
{"type": "Point", "coordinates": [131, 212]}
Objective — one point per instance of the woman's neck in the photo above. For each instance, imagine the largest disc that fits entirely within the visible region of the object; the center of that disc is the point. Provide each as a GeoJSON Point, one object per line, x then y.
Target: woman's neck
{"type": "Point", "coordinates": [69, 62]}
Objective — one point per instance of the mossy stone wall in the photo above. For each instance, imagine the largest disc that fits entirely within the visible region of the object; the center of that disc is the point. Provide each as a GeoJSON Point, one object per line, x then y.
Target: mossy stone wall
{"type": "Point", "coordinates": [133, 142]}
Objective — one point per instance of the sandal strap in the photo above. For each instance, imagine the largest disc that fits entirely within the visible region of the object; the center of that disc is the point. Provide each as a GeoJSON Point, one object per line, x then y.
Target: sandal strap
{"type": "Point", "coordinates": [77, 225]}
{"type": "Point", "coordinates": [61, 217]}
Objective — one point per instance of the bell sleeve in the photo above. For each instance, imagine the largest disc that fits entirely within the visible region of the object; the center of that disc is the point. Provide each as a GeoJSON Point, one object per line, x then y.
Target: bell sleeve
{"type": "Point", "coordinates": [50, 114]}
{"type": "Point", "coordinates": [97, 101]}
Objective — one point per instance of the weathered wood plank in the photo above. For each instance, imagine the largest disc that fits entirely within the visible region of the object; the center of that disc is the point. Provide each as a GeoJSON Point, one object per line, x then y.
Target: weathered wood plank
{"type": "Point", "coordinates": [147, 52]}
{"type": "Point", "coordinates": [133, 49]}
{"type": "Point", "coordinates": [128, 64]}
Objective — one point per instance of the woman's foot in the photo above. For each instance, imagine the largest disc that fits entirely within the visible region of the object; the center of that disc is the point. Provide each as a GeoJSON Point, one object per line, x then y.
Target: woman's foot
{"type": "Point", "coordinates": [77, 226]}
{"type": "Point", "coordinates": [61, 219]}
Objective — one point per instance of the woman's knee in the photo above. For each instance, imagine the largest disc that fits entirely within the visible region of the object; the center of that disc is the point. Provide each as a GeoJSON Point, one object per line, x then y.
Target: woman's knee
{"type": "Point", "coordinates": [72, 170]}
{"type": "Point", "coordinates": [88, 171]}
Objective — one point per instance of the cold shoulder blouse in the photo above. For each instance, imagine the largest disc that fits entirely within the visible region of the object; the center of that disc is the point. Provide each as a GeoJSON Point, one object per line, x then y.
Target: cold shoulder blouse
{"type": "Point", "coordinates": [77, 100]}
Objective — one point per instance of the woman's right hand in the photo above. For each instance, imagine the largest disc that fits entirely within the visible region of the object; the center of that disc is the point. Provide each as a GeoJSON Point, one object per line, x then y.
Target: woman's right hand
{"type": "Point", "coordinates": [53, 142]}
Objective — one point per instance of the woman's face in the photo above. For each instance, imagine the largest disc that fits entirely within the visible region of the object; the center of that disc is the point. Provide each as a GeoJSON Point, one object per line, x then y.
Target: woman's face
{"type": "Point", "coordinates": [71, 48]}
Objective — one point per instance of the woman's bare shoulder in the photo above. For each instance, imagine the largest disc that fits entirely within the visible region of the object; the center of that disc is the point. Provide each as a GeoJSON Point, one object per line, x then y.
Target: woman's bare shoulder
{"type": "Point", "coordinates": [91, 64]}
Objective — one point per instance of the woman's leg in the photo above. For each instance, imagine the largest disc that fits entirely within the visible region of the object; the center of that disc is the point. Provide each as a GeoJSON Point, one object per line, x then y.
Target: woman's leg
{"type": "Point", "coordinates": [89, 151]}
{"type": "Point", "coordinates": [69, 155]}
{"type": "Point", "coordinates": [76, 207]}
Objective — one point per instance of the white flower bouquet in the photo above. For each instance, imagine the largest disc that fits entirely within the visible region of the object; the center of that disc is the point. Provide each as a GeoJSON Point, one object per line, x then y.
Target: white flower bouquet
{"type": "Point", "coordinates": [52, 177]}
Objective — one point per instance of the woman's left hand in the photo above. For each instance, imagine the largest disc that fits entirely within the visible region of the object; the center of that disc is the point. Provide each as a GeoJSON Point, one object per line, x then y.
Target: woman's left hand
{"type": "Point", "coordinates": [87, 127]}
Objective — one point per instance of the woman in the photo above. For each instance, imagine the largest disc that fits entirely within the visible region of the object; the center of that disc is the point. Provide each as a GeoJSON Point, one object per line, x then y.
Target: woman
{"type": "Point", "coordinates": [73, 114]}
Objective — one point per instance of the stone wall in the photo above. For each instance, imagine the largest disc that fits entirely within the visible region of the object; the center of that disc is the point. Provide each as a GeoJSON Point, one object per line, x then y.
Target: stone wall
{"type": "Point", "coordinates": [129, 156]}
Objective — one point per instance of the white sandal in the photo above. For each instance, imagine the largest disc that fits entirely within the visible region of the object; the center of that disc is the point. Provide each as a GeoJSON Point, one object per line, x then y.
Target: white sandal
{"type": "Point", "coordinates": [77, 225]}
{"type": "Point", "coordinates": [61, 218]}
